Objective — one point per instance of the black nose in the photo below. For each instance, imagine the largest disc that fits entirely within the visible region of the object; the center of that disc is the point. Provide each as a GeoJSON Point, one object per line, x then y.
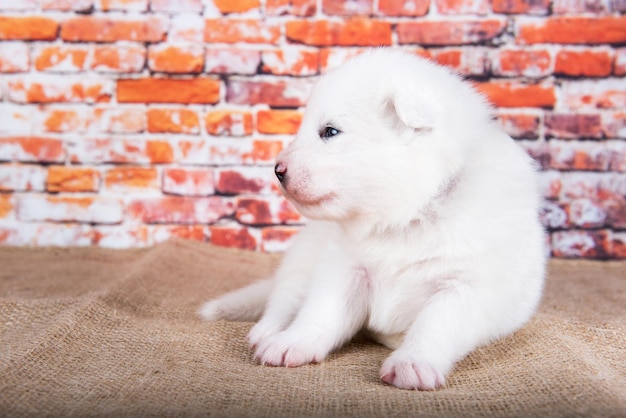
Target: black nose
{"type": "Point", "coordinates": [280, 170]}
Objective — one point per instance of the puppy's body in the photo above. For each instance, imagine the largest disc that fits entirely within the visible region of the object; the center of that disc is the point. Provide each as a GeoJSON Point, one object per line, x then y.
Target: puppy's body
{"type": "Point", "coordinates": [425, 227]}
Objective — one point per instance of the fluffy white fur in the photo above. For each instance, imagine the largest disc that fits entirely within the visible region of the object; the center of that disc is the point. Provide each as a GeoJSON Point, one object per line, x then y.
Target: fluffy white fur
{"type": "Point", "coordinates": [424, 226]}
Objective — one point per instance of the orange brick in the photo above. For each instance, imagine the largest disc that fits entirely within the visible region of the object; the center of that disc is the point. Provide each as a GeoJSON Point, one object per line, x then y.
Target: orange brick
{"type": "Point", "coordinates": [131, 177]}
{"type": "Point", "coordinates": [353, 32]}
{"type": "Point", "coordinates": [267, 210]}
{"type": "Point", "coordinates": [119, 58]}
{"type": "Point", "coordinates": [72, 179]}
{"type": "Point", "coordinates": [61, 58]}
{"type": "Point", "coordinates": [65, 120]}
{"type": "Point", "coordinates": [241, 30]}
{"type": "Point", "coordinates": [176, 58]}
{"type": "Point", "coordinates": [188, 181]}
{"type": "Point", "coordinates": [263, 151]}
{"type": "Point", "coordinates": [278, 121]}
{"type": "Point", "coordinates": [185, 28]}
{"type": "Point", "coordinates": [159, 152]}
{"type": "Point", "coordinates": [521, 6]}
{"type": "Point", "coordinates": [463, 61]}
{"type": "Point", "coordinates": [26, 148]}
{"type": "Point", "coordinates": [105, 29]}
{"type": "Point", "coordinates": [181, 210]}
{"type": "Point", "coordinates": [291, 7]}
{"type": "Point", "coordinates": [277, 238]}
{"type": "Point", "coordinates": [232, 61]}
{"type": "Point", "coordinates": [67, 5]}
{"type": "Point", "coordinates": [121, 119]}
{"type": "Point", "coordinates": [108, 150]}
{"type": "Point", "coordinates": [229, 122]}
{"type": "Point", "coordinates": [125, 5]}
{"type": "Point", "coordinates": [583, 63]}
{"type": "Point", "coordinates": [22, 177]}
{"type": "Point", "coordinates": [53, 88]}
{"type": "Point", "coordinates": [348, 7]}
{"type": "Point", "coordinates": [479, 7]}
{"type": "Point", "coordinates": [620, 62]}
{"type": "Point", "coordinates": [520, 125]}
{"type": "Point", "coordinates": [234, 237]}
{"type": "Point", "coordinates": [522, 62]}
{"type": "Point", "coordinates": [291, 62]}
{"type": "Point", "coordinates": [601, 93]}
{"type": "Point", "coordinates": [83, 209]}
{"type": "Point", "coordinates": [176, 5]}
{"type": "Point", "coordinates": [236, 6]}
{"type": "Point", "coordinates": [449, 32]}
{"type": "Point", "coordinates": [568, 30]}
{"type": "Point", "coordinates": [14, 57]}
{"type": "Point", "coordinates": [28, 28]}
{"type": "Point", "coordinates": [6, 207]}
{"type": "Point", "coordinates": [511, 94]}
{"type": "Point", "coordinates": [164, 90]}
{"type": "Point", "coordinates": [173, 120]}
{"type": "Point", "coordinates": [403, 7]}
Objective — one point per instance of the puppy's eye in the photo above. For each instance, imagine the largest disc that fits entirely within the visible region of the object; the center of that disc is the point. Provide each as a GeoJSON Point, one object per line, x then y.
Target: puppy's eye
{"type": "Point", "coordinates": [328, 132]}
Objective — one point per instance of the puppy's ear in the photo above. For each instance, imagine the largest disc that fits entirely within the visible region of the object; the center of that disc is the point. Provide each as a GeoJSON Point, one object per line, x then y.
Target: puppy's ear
{"type": "Point", "coordinates": [405, 111]}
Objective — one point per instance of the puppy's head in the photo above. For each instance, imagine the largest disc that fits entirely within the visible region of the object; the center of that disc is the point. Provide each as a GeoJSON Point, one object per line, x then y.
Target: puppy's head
{"type": "Point", "coordinates": [380, 136]}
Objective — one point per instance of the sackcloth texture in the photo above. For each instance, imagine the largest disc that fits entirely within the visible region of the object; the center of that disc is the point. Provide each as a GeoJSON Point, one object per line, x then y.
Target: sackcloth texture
{"type": "Point", "coordinates": [101, 332]}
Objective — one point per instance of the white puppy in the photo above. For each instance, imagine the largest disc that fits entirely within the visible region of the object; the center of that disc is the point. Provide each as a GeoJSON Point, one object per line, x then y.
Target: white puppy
{"type": "Point", "coordinates": [424, 231]}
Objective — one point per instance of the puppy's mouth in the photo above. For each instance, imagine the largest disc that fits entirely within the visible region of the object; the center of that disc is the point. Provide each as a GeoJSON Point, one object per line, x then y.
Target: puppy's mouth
{"type": "Point", "coordinates": [310, 201]}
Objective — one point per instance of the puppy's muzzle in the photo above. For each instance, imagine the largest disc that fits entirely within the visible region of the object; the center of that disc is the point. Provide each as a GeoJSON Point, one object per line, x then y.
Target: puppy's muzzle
{"type": "Point", "coordinates": [280, 169]}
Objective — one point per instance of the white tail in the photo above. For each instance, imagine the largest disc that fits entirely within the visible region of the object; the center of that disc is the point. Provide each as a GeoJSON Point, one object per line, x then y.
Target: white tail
{"type": "Point", "coordinates": [245, 304]}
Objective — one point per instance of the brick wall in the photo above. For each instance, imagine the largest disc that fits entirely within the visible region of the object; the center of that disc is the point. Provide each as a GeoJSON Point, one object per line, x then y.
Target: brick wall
{"type": "Point", "coordinates": [125, 122]}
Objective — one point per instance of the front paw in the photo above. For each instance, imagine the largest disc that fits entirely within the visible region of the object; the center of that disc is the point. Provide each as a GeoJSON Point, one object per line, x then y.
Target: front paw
{"type": "Point", "coordinates": [407, 372]}
{"type": "Point", "coordinates": [288, 350]}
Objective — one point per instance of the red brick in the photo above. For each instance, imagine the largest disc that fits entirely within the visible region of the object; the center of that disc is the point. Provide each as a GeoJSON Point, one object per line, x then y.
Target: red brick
{"type": "Point", "coordinates": [278, 121]}
{"type": "Point", "coordinates": [291, 7]}
{"type": "Point", "coordinates": [232, 61]}
{"type": "Point", "coordinates": [551, 184]}
{"type": "Point", "coordinates": [291, 62]}
{"type": "Point", "coordinates": [540, 7]}
{"type": "Point", "coordinates": [27, 148]}
{"type": "Point", "coordinates": [56, 88]}
{"type": "Point", "coordinates": [616, 212]}
{"type": "Point", "coordinates": [122, 151]}
{"type": "Point", "coordinates": [449, 32]}
{"type": "Point", "coordinates": [163, 90]}
{"type": "Point", "coordinates": [173, 120]}
{"type": "Point", "coordinates": [119, 58]}
{"type": "Point", "coordinates": [520, 125]}
{"type": "Point", "coordinates": [236, 6]}
{"type": "Point", "coordinates": [574, 7]}
{"type": "Point", "coordinates": [83, 209]}
{"type": "Point", "coordinates": [121, 119]}
{"type": "Point", "coordinates": [620, 62]}
{"type": "Point", "coordinates": [64, 58]}
{"type": "Point", "coordinates": [587, 213]}
{"type": "Point", "coordinates": [512, 94]}
{"type": "Point", "coordinates": [348, 7]}
{"type": "Point", "coordinates": [234, 237]}
{"type": "Point", "coordinates": [176, 58]}
{"type": "Point", "coordinates": [246, 180]}
{"type": "Point", "coordinates": [265, 211]}
{"type": "Point", "coordinates": [241, 30]}
{"type": "Point", "coordinates": [189, 181]}
{"type": "Point", "coordinates": [28, 28]}
{"type": "Point", "coordinates": [124, 5]}
{"type": "Point", "coordinates": [72, 179]}
{"type": "Point", "coordinates": [577, 243]}
{"type": "Point", "coordinates": [229, 122]}
{"type": "Point", "coordinates": [14, 57]}
{"type": "Point", "coordinates": [614, 124]}
{"type": "Point", "coordinates": [577, 125]}
{"type": "Point", "coordinates": [21, 177]}
{"type": "Point", "coordinates": [618, 245]}
{"type": "Point", "coordinates": [67, 5]}
{"type": "Point", "coordinates": [277, 239]}
{"type": "Point", "coordinates": [554, 215]}
{"type": "Point", "coordinates": [581, 156]}
{"type": "Point", "coordinates": [522, 63]}
{"type": "Point", "coordinates": [352, 32]}
{"type": "Point", "coordinates": [182, 210]}
{"type": "Point", "coordinates": [479, 7]}
{"type": "Point", "coordinates": [403, 7]}
{"type": "Point", "coordinates": [107, 29]}
{"type": "Point", "coordinates": [602, 94]}
{"type": "Point", "coordinates": [123, 178]}
{"type": "Point", "coordinates": [464, 61]}
{"type": "Point", "coordinates": [618, 155]}
{"type": "Point", "coordinates": [567, 30]}
{"type": "Point", "coordinates": [284, 92]}
{"type": "Point", "coordinates": [583, 63]}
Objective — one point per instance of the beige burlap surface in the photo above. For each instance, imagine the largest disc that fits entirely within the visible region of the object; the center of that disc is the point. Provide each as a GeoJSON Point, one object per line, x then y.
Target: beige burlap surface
{"type": "Point", "coordinates": [93, 332]}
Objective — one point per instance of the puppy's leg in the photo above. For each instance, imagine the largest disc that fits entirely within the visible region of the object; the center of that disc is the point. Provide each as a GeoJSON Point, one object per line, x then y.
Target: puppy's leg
{"type": "Point", "coordinates": [245, 304]}
{"type": "Point", "coordinates": [333, 311]}
{"type": "Point", "coordinates": [454, 322]}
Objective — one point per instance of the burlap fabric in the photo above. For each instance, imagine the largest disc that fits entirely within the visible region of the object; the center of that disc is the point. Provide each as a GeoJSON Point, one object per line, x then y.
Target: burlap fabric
{"type": "Point", "coordinates": [93, 332]}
